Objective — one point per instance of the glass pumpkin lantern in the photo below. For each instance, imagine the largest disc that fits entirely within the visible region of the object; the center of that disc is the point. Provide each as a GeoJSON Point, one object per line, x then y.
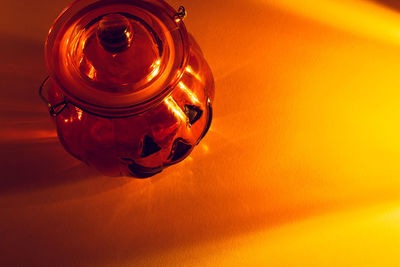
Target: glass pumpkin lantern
{"type": "Point", "coordinates": [128, 87]}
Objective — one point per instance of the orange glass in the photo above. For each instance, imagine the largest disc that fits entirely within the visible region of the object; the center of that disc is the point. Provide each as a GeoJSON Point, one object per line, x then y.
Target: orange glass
{"type": "Point", "coordinates": [129, 88]}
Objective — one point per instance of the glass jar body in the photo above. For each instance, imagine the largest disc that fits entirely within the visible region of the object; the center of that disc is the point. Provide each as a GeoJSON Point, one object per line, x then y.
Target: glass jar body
{"type": "Point", "coordinates": [144, 144]}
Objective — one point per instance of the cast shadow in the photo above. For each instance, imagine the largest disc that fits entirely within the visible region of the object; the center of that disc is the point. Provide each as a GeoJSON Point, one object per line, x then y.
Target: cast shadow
{"type": "Point", "coordinates": [30, 154]}
{"type": "Point", "coordinates": [393, 4]}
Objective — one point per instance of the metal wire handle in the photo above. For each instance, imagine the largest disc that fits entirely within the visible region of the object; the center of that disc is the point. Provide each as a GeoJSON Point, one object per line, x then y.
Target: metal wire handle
{"type": "Point", "coordinates": [56, 109]}
{"type": "Point", "coordinates": [182, 13]}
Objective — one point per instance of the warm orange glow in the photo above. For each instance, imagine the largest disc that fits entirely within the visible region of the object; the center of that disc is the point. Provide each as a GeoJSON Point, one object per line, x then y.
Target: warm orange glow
{"type": "Point", "coordinates": [79, 113]}
{"type": "Point", "coordinates": [205, 147]}
{"type": "Point", "coordinates": [301, 166]}
{"type": "Point", "coordinates": [7, 135]}
{"type": "Point", "coordinates": [374, 231]}
{"type": "Point", "coordinates": [361, 17]}
{"type": "Point", "coordinates": [92, 72]}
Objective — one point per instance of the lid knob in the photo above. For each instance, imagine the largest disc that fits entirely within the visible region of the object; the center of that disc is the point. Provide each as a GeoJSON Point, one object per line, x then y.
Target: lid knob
{"type": "Point", "coordinates": [115, 33]}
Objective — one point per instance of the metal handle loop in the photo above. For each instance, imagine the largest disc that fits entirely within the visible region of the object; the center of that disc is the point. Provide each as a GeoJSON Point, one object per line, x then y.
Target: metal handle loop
{"type": "Point", "coordinates": [181, 14]}
{"type": "Point", "coordinates": [56, 109]}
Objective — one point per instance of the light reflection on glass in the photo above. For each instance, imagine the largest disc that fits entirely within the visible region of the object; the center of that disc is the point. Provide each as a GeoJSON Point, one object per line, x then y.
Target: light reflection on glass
{"type": "Point", "coordinates": [192, 96]}
{"type": "Point", "coordinates": [190, 70]}
{"type": "Point", "coordinates": [155, 71]}
{"type": "Point", "coordinates": [173, 106]}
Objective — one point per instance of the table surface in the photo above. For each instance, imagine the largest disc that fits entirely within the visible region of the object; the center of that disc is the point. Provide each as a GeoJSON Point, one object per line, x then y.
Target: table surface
{"type": "Point", "coordinates": [300, 167]}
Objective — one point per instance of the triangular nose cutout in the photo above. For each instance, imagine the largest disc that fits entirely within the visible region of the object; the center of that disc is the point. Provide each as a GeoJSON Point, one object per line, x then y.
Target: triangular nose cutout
{"type": "Point", "coordinates": [179, 150]}
{"type": "Point", "coordinates": [149, 147]}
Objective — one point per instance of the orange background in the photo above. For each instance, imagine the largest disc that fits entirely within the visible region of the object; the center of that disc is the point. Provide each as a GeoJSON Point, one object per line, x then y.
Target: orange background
{"type": "Point", "coordinates": [300, 168]}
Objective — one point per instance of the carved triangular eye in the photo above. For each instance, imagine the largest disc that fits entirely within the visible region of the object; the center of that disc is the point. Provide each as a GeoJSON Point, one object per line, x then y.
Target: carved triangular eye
{"type": "Point", "coordinates": [193, 113]}
{"type": "Point", "coordinates": [180, 149]}
{"type": "Point", "coordinates": [149, 147]}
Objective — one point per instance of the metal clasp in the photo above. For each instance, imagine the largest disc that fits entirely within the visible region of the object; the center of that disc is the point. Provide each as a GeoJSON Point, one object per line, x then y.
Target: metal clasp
{"type": "Point", "coordinates": [181, 14]}
{"type": "Point", "coordinates": [56, 109]}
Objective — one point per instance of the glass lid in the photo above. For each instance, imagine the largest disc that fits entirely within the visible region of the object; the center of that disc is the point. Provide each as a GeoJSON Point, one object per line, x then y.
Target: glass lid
{"type": "Point", "coordinates": [117, 58]}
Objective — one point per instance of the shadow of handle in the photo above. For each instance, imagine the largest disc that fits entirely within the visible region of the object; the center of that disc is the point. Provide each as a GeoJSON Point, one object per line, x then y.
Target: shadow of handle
{"type": "Point", "coordinates": [56, 109]}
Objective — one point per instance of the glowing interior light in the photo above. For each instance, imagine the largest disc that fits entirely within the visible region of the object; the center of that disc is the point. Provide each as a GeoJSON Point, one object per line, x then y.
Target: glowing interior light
{"type": "Point", "coordinates": [25, 134]}
{"type": "Point", "coordinates": [192, 96]}
{"type": "Point", "coordinates": [205, 148]}
{"type": "Point", "coordinates": [79, 113]}
{"type": "Point", "coordinates": [128, 34]}
{"type": "Point", "coordinates": [174, 107]}
{"type": "Point", "coordinates": [92, 72]}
